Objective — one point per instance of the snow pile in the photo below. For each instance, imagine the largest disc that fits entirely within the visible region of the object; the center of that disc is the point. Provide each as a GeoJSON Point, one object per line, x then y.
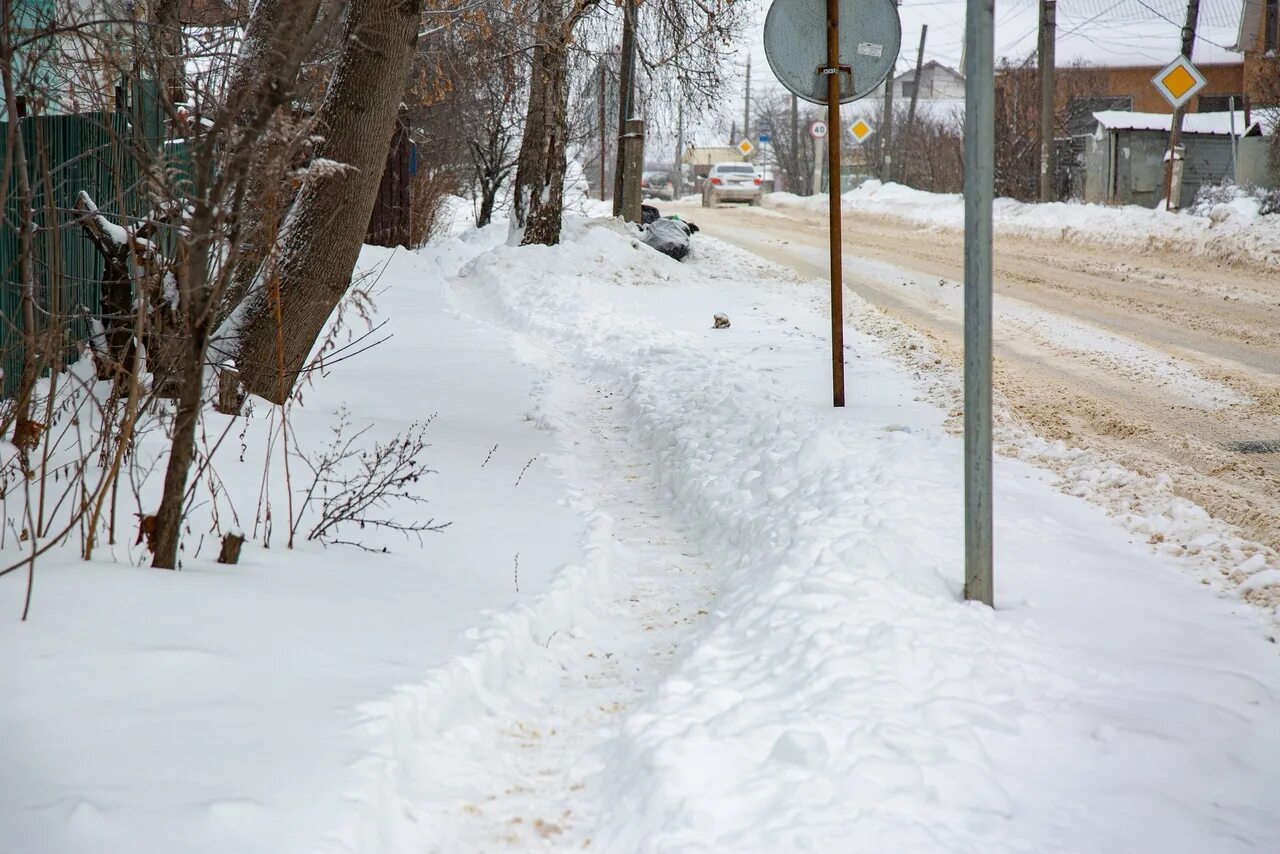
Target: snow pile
{"type": "Point", "coordinates": [1236, 236]}
{"type": "Point", "coordinates": [227, 708]}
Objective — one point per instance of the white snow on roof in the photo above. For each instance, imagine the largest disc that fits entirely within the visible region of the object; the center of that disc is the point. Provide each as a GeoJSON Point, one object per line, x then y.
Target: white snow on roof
{"type": "Point", "coordinates": [1206, 123]}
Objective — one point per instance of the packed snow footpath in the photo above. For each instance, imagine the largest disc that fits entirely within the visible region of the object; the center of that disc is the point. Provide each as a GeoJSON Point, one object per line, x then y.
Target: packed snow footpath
{"type": "Point", "coordinates": [1230, 230]}
{"type": "Point", "coordinates": [837, 694]}
{"type": "Point", "coordinates": [684, 605]}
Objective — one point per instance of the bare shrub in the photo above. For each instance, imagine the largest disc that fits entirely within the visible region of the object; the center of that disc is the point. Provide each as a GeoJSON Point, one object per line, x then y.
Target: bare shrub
{"type": "Point", "coordinates": [430, 189]}
{"type": "Point", "coordinates": [353, 483]}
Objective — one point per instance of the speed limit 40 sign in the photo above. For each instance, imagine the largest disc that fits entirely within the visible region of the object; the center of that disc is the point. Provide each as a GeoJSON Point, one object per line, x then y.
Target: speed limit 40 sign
{"type": "Point", "coordinates": [818, 129]}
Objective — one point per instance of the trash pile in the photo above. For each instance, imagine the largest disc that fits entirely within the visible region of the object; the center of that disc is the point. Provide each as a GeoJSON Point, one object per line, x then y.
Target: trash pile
{"type": "Point", "coordinates": [669, 235]}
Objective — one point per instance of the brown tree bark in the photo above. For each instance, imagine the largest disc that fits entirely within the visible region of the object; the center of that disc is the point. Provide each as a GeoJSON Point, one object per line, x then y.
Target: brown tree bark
{"type": "Point", "coordinates": [539, 186]}
{"type": "Point", "coordinates": [266, 59]}
{"type": "Point", "coordinates": [194, 300]}
{"type": "Point", "coordinates": [322, 233]}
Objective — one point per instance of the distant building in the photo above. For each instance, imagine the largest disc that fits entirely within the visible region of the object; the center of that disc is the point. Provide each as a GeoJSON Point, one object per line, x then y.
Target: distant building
{"type": "Point", "coordinates": [1129, 87]}
{"type": "Point", "coordinates": [1259, 40]}
{"type": "Point", "coordinates": [937, 81]}
{"type": "Point", "coordinates": [1124, 158]}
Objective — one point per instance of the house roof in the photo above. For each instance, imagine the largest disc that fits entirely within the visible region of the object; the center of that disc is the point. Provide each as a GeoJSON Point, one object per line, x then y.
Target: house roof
{"type": "Point", "coordinates": [910, 73]}
{"type": "Point", "coordinates": [1215, 124]}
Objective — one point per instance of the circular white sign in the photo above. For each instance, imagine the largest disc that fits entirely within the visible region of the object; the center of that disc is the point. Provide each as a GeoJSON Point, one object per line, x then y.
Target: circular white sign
{"type": "Point", "coordinates": [795, 43]}
{"type": "Point", "coordinates": [818, 130]}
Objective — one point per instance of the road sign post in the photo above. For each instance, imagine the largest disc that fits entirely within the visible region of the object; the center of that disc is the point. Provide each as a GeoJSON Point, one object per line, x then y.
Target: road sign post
{"type": "Point", "coordinates": [1178, 82]}
{"type": "Point", "coordinates": [832, 71]}
{"type": "Point", "coordinates": [979, 187]}
{"type": "Point", "coordinates": [869, 47]}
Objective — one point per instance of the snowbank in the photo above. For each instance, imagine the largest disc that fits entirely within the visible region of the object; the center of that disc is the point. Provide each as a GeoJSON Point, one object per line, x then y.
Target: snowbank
{"type": "Point", "coordinates": [234, 708]}
{"type": "Point", "coordinates": [835, 694]}
{"type": "Point", "coordinates": [1234, 233]}
{"type": "Point", "coordinates": [840, 696]}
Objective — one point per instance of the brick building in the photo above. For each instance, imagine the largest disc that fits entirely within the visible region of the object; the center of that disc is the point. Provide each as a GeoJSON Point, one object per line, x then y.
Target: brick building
{"type": "Point", "coordinates": [1259, 41]}
{"type": "Point", "coordinates": [1130, 87]}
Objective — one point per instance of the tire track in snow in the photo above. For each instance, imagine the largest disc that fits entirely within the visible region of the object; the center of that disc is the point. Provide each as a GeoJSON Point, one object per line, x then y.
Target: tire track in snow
{"type": "Point", "coordinates": [543, 743]}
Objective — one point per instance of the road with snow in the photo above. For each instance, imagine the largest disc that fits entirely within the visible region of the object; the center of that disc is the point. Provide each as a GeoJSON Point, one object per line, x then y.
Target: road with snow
{"type": "Point", "coordinates": [1166, 363]}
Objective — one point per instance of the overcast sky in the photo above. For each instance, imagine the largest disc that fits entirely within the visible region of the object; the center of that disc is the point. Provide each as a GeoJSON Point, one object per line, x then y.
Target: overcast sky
{"type": "Point", "coordinates": [1105, 32]}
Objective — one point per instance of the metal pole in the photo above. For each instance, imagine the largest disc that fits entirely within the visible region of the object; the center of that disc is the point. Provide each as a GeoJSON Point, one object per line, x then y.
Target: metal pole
{"type": "Point", "coordinates": [979, 177]}
{"type": "Point", "coordinates": [746, 104]}
{"type": "Point", "coordinates": [1048, 101]}
{"type": "Point", "coordinates": [1235, 160]}
{"type": "Point", "coordinates": [819, 152]}
{"type": "Point", "coordinates": [1175, 130]}
{"type": "Point", "coordinates": [833, 166]}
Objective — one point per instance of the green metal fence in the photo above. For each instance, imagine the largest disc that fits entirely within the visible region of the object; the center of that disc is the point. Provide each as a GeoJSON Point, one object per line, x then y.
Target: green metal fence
{"type": "Point", "coordinates": [96, 153]}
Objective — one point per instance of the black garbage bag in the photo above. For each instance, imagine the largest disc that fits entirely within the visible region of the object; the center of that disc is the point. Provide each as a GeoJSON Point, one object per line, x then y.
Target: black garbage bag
{"type": "Point", "coordinates": [648, 214]}
{"type": "Point", "coordinates": [668, 236]}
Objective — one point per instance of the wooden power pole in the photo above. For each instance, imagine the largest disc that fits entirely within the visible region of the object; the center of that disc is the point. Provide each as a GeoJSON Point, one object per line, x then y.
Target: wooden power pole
{"type": "Point", "coordinates": [626, 95]}
{"type": "Point", "coordinates": [915, 96]}
{"type": "Point", "coordinates": [1175, 130]}
{"type": "Point", "coordinates": [1048, 102]}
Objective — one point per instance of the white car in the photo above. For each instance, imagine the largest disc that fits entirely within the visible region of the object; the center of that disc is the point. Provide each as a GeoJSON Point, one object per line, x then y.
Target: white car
{"type": "Point", "coordinates": [731, 182]}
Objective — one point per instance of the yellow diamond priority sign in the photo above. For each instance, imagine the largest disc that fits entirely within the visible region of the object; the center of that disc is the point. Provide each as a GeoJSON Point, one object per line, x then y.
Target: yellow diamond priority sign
{"type": "Point", "coordinates": [860, 130]}
{"type": "Point", "coordinates": [746, 147]}
{"type": "Point", "coordinates": [1179, 81]}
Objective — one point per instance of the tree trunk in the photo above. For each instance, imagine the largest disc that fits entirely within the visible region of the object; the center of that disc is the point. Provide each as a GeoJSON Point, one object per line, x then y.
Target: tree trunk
{"type": "Point", "coordinates": [166, 50]}
{"type": "Point", "coordinates": [265, 60]}
{"type": "Point", "coordinates": [195, 309]}
{"type": "Point", "coordinates": [321, 237]}
{"type": "Point", "coordinates": [539, 189]}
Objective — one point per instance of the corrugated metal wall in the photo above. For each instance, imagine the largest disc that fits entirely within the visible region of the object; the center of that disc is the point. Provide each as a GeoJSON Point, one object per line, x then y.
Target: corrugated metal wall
{"type": "Point", "coordinates": [66, 154]}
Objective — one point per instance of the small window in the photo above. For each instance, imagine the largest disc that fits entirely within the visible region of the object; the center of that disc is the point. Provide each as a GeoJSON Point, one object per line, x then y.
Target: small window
{"type": "Point", "coordinates": [1218, 103]}
{"type": "Point", "coordinates": [908, 88]}
{"type": "Point", "coordinates": [736, 170]}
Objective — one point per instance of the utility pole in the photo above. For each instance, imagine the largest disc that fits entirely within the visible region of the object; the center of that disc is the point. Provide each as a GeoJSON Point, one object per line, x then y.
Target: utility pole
{"type": "Point", "coordinates": [886, 129]}
{"type": "Point", "coordinates": [626, 94]}
{"type": "Point", "coordinates": [979, 187]}
{"type": "Point", "coordinates": [1175, 131]}
{"type": "Point", "coordinates": [795, 147]}
{"type": "Point", "coordinates": [604, 136]}
{"type": "Point", "coordinates": [677, 179]}
{"type": "Point", "coordinates": [1048, 98]}
{"type": "Point", "coordinates": [915, 96]}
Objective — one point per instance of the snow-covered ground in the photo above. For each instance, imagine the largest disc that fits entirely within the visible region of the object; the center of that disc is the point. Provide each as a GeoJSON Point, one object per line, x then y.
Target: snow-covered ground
{"type": "Point", "coordinates": [1227, 231]}
{"type": "Point", "coordinates": [737, 627]}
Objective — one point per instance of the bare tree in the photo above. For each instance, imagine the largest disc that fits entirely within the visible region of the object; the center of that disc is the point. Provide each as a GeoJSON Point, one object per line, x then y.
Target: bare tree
{"type": "Point", "coordinates": [540, 168]}
{"type": "Point", "coordinates": [270, 333]}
